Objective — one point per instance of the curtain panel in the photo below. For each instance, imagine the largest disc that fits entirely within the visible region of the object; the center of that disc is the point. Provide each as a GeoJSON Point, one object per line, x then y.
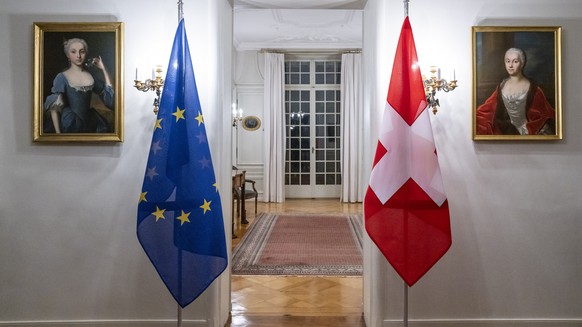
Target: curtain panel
{"type": "Point", "coordinates": [274, 119]}
{"type": "Point", "coordinates": [351, 127]}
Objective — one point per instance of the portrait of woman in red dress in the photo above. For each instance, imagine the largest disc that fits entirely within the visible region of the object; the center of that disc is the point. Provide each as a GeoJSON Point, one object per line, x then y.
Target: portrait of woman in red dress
{"type": "Point", "coordinates": [516, 94]}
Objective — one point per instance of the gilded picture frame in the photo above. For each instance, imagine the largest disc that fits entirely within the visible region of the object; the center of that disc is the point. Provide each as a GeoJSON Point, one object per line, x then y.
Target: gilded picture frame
{"type": "Point", "coordinates": [251, 123]}
{"type": "Point", "coordinates": [515, 100]}
{"type": "Point", "coordinates": [78, 82]}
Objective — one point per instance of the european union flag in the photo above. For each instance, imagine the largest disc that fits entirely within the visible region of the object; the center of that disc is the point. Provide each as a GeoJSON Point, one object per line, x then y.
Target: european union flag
{"type": "Point", "coordinates": [179, 219]}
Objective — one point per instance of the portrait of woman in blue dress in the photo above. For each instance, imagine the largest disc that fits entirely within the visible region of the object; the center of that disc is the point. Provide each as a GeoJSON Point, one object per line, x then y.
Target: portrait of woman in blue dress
{"type": "Point", "coordinates": [68, 109]}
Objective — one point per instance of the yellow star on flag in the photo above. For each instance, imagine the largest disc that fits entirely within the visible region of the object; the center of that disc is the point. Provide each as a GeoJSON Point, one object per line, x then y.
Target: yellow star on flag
{"type": "Point", "coordinates": [179, 114]}
{"type": "Point", "coordinates": [159, 213]}
{"type": "Point", "coordinates": [206, 206]}
{"type": "Point", "coordinates": [158, 123]}
{"type": "Point", "coordinates": [215, 186]}
{"type": "Point", "coordinates": [184, 218]}
{"type": "Point", "coordinates": [142, 197]}
{"type": "Point", "coordinates": [199, 118]}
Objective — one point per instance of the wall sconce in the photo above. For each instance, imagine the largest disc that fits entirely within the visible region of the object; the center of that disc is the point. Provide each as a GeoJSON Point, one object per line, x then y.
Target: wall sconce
{"type": "Point", "coordinates": [435, 83]}
{"type": "Point", "coordinates": [237, 115]}
{"type": "Point", "coordinates": [155, 84]}
{"type": "Point", "coordinates": [299, 115]}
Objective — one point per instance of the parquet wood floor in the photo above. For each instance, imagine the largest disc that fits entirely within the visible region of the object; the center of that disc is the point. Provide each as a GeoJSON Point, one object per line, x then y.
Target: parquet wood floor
{"type": "Point", "coordinates": [290, 301]}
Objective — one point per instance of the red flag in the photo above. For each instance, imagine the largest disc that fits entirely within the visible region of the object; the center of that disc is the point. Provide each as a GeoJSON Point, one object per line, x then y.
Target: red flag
{"type": "Point", "coordinates": [405, 208]}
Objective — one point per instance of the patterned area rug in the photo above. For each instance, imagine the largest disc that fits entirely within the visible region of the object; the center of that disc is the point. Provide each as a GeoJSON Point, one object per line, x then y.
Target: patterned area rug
{"type": "Point", "coordinates": [299, 244]}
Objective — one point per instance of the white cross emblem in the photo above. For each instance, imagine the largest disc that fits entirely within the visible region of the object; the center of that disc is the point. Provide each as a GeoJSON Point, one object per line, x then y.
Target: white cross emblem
{"type": "Point", "coordinates": [410, 154]}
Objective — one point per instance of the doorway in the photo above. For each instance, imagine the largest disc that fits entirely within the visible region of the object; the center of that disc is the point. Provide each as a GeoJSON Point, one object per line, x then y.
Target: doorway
{"type": "Point", "coordinates": [340, 28]}
{"type": "Point", "coordinates": [312, 119]}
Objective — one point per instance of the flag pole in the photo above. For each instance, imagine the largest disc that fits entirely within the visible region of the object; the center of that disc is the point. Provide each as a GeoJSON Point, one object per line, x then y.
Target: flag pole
{"type": "Point", "coordinates": [405, 316]}
{"type": "Point", "coordinates": [180, 10]}
{"type": "Point", "coordinates": [180, 16]}
{"type": "Point", "coordinates": [405, 305]}
{"type": "Point", "coordinates": [179, 318]}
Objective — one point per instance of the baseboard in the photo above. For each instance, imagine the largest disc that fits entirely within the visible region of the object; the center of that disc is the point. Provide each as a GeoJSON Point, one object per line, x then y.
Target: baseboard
{"type": "Point", "coordinates": [487, 323]}
{"type": "Point", "coordinates": [104, 323]}
{"type": "Point", "coordinates": [386, 323]}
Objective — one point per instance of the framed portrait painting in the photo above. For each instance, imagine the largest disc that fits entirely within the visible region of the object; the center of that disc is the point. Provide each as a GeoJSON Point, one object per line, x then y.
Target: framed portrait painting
{"type": "Point", "coordinates": [78, 82]}
{"type": "Point", "coordinates": [517, 83]}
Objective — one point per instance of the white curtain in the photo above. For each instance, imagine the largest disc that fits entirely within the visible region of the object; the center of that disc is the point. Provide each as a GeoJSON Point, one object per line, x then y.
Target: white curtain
{"type": "Point", "coordinates": [274, 119]}
{"type": "Point", "coordinates": [351, 127]}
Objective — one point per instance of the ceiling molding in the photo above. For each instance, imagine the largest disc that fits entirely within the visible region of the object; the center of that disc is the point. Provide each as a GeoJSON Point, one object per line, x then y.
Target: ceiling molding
{"type": "Point", "coordinates": [300, 4]}
{"type": "Point", "coordinates": [296, 17]}
{"type": "Point", "coordinates": [297, 28]}
{"type": "Point", "coordinates": [255, 46]}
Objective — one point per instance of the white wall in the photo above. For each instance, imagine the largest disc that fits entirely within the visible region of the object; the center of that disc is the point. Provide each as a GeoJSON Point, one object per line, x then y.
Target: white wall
{"type": "Point", "coordinates": [516, 213]}
{"type": "Point", "coordinates": [248, 79]}
{"type": "Point", "coordinates": [68, 249]}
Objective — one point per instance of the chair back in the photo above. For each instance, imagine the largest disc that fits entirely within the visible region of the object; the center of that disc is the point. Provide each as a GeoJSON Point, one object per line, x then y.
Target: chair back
{"type": "Point", "coordinates": [238, 179]}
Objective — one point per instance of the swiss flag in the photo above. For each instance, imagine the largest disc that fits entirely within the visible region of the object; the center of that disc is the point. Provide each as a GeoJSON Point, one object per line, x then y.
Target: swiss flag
{"type": "Point", "coordinates": [405, 208]}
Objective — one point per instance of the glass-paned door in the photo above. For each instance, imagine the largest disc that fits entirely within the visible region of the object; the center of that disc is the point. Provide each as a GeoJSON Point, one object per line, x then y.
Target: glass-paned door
{"type": "Point", "coordinates": [312, 117]}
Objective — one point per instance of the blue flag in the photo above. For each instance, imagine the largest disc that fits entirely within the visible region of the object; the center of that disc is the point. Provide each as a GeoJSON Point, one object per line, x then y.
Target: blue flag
{"type": "Point", "coordinates": [179, 218]}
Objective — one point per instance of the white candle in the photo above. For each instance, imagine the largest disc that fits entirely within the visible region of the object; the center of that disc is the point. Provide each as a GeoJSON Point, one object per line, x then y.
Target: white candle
{"type": "Point", "coordinates": [136, 73]}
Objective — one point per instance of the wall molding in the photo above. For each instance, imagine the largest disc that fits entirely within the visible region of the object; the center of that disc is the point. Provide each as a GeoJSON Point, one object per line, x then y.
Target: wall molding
{"type": "Point", "coordinates": [104, 323]}
{"type": "Point", "coordinates": [251, 88]}
{"type": "Point", "coordinates": [385, 323]}
{"type": "Point", "coordinates": [487, 323]}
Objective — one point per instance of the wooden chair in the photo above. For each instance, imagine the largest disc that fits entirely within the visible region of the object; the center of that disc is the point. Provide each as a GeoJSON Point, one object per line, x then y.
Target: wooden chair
{"type": "Point", "coordinates": [237, 183]}
{"type": "Point", "coordinates": [242, 193]}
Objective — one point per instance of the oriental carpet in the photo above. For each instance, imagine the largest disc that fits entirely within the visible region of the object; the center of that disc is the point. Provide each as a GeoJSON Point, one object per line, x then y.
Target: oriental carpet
{"type": "Point", "coordinates": [301, 244]}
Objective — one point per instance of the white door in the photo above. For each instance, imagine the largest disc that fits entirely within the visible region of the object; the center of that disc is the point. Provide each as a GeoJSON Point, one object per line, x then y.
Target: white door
{"type": "Point", "coordinates": [312, 117]}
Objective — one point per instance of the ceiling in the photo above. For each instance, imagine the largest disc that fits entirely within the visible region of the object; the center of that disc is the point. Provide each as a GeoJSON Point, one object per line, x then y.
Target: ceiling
{"type": "Point", "coordinates": [298, 24]}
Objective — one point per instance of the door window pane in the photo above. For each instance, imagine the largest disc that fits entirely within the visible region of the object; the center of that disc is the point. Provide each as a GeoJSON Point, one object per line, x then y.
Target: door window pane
{"type": "Point", "coordinates": [328, 72]}
{"type": "Point", "coordinates": [313, 88]}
